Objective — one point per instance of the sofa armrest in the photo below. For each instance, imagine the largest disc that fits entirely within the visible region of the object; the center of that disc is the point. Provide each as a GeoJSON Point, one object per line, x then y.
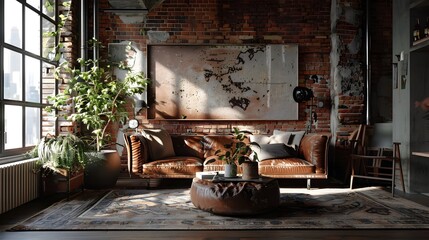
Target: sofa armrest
{"type": "Point", "coordinates": [314, 149]}
{"type": "Point", "coordinates": [137, 153]}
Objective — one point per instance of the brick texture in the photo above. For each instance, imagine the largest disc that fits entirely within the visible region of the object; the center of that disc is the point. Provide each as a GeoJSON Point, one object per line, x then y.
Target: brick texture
{"type": "Point", "coordinates": [306, 23]}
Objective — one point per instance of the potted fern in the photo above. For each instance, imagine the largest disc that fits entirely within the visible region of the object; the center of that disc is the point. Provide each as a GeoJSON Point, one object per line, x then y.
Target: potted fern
{"type": "Point", "coordinates": [61, 160]}
{"type": "Point", "coordinates": [240, 152]}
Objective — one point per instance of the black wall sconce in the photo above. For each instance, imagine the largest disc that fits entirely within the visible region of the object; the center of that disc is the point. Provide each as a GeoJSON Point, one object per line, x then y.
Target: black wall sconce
{"type": "Point", "coordinates": [303, 94]}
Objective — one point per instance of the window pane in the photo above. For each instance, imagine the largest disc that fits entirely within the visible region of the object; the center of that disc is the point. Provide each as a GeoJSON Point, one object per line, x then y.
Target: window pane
{"type": "Point", "coordinates": [48, 82]}
{"type": "Point", "coordinates": [13, 126]}
{"type": "Point", "coordinates": [13, 23]}
{"type": "Point", "coordinates": [32, 31]}
{"type": "Point", "coordinates": [49, 8]}
{"type": "Point", "coordinates": [48, 45]}
{"type": "Point", "coordinates": [34, 3]}
{"type": "Point", "coordinates": [32, 79]}
{"type": "Point", "coordinates": [12, 75]}
{"type": "Point", "coordinates": [32, 126]}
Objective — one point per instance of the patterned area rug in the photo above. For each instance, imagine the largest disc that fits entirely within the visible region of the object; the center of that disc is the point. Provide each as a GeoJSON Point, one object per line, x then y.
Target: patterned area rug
{"type": "Point", "coordinates": [365, 208]}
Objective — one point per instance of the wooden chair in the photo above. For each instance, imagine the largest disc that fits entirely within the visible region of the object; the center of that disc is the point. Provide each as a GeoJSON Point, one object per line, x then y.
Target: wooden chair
{"type": "Point", "coordinates": [355, 145]}
{"type": "Point", "coordinates": [379, 158]}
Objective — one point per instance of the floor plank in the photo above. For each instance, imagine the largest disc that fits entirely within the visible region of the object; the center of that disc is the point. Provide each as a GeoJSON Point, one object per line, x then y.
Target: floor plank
{"type": "Point", "coordinates": [222, 235]}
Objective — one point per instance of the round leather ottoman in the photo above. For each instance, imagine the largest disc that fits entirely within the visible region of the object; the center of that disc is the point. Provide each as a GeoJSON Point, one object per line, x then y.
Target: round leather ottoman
{"type": "Point", "coordinates": [235, 198]}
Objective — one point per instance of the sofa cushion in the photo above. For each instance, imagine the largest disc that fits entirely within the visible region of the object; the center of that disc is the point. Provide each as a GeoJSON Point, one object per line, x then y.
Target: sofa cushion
{"type": "Point", "coordinates": [274, 150]}
{"type": "Point", "coordinates": [293, 138]}
{"type": "Point", "coordinates": [188, 145]}
{"type": "Point", "coordinates": [173, 167]}
{"type": "Point", "coordinates": [285, 166]}
{"type": "Point", "coordinates": [159, 144]}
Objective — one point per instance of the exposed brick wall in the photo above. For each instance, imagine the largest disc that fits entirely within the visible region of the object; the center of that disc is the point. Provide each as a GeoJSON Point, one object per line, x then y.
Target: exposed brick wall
{"type": "Point", "coordinates": [69, 37]}
{"type": "Point", "coordinates": [306, 23]}
{"type": "Point", "coordinates": [339, 86]}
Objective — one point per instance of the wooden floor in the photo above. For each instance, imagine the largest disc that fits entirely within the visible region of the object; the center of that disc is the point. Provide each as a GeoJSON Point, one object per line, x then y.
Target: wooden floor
{"type": "Point", "coordinates": [227, 235]}
{"type": "Point", "coordinates": [10, 218]}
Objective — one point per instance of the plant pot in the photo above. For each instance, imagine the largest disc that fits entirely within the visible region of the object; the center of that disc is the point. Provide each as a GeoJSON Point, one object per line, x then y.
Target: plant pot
{"type": "Point", "coordinates": [103, 169]}
{"type": "Point", "coordinates": [230, 170]}
{"type": "Point", "coordinates": [62, 181]}
{"type": "Point", "coordinates": [250, 170]}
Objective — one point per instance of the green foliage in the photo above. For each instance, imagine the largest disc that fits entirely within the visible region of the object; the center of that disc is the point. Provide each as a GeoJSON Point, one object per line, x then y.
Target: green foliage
{"type": "Point", "coordinates": [97, 96]}
{"type": "Point", "coordinates": [61, 152]}
{"type": "Point", "coordinates": [238, 151]}
{"type": "Point", "coordinates": [49, 5]}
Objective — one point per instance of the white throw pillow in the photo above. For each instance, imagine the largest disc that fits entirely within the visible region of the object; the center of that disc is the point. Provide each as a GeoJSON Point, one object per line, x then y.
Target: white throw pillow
{"type": "Point", "coordinates": [260, 139]}
{"type": "Point", "coordinates": [280, 138]}
{"type": "Point", "coordinates": [294, 139]}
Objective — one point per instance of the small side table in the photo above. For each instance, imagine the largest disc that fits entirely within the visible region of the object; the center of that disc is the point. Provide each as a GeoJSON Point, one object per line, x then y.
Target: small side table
{"type": "Point", "coordinates": [235, 197]}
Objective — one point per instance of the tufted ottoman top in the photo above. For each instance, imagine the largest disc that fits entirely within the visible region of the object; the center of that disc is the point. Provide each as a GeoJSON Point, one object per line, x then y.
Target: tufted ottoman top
{"type": "Point", "coordinates": [235, 197]}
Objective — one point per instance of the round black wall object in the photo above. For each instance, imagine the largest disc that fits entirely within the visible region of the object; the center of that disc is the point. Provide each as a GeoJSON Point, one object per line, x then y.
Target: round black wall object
{"type": "Point", "coordinates": [301, 94]}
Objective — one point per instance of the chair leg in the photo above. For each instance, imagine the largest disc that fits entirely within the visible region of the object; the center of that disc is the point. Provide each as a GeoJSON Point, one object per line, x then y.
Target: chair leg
{"type": "Point", "coordinates": [401, 175]}
{"type": "Point", "coordinates": [393, 176]}
{"type": "Point", "coordinates": [352, 173]}
{"type": "Point", "coordinates": [397, 156]}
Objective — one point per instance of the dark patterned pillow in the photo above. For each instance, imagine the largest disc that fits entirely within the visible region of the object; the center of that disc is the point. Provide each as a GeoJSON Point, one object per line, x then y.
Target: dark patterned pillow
{"type": "Point", "coordinates": [274, 150]}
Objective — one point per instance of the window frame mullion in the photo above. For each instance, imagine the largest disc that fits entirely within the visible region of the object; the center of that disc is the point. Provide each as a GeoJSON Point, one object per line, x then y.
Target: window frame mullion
{"type": "Point", "coordinates": [25, 103]}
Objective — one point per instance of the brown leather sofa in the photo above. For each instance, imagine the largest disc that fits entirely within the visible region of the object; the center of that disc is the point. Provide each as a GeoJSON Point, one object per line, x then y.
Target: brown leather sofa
{"type": "Point", "coordinates": [192, 152]}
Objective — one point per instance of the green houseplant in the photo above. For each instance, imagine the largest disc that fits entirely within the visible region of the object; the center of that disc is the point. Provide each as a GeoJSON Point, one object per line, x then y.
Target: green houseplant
{"type": "Point", "coordinates": [97, 99]}
{"type": "Point", "coordinates": [239, 151]}
{"type": "Point", "coordinates": [97, 96]}
{"type": "Point", "coordinates": [61, 159]}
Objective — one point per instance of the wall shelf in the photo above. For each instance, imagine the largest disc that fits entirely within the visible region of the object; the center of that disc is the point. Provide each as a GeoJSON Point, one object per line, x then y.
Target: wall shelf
{"type": "Point", "coordinates": [420, 45]}
{"type": "Point", "coordinates": [419, 3]}
{"type": "Point", "coordinates": [419, 9]}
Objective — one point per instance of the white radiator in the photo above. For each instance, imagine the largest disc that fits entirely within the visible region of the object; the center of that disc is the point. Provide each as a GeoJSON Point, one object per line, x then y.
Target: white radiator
{"type": "Point", "coordinates": [19, 184]}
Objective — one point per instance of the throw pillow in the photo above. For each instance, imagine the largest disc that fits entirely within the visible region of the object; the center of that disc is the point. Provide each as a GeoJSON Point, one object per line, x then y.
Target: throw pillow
{"type": "Point", "coordinates": [294, 138]}
{"type": "Point", "coordinates": [281, 138]}
{"type": "Point", "coordinates": [159, 143]}
{"type": "Point", "coordinates": [260, 139]}
{"type": "Point", "coordinates": [274, 150]}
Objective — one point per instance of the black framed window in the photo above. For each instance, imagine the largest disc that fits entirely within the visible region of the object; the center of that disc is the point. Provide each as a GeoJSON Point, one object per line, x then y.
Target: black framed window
{"type": "Point", "coordinates": [27, 52]}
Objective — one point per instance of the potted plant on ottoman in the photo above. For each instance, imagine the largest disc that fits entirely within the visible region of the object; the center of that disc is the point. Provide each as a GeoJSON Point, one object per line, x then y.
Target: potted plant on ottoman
{"type": "Point", "coordinates": [239, 151]}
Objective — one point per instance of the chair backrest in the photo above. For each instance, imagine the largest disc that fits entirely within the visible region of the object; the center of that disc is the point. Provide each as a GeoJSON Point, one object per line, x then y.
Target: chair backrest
{"type": "Point", "coordinates": [372, 139]}
{"type": "Point", "coordinates": [358, 140]}
{"type": "Point", "coordinates": [381, 136]}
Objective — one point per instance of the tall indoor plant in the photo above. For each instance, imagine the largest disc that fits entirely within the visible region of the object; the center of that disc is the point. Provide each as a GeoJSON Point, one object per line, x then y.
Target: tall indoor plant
{"type": "Point", "coordinates": [97, 99]}
{"type": "Point", "coordinates": [238, 152]}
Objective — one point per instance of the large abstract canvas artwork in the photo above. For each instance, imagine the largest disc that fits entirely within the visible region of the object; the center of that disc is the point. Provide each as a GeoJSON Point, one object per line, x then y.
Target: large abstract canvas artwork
{"type": "Point", "coordinates": [240, 82]}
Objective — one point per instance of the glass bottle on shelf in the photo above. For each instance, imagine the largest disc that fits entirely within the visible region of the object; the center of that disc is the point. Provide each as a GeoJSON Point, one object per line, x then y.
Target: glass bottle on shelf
{"type": "Point", "coordinates": [416, 32]}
